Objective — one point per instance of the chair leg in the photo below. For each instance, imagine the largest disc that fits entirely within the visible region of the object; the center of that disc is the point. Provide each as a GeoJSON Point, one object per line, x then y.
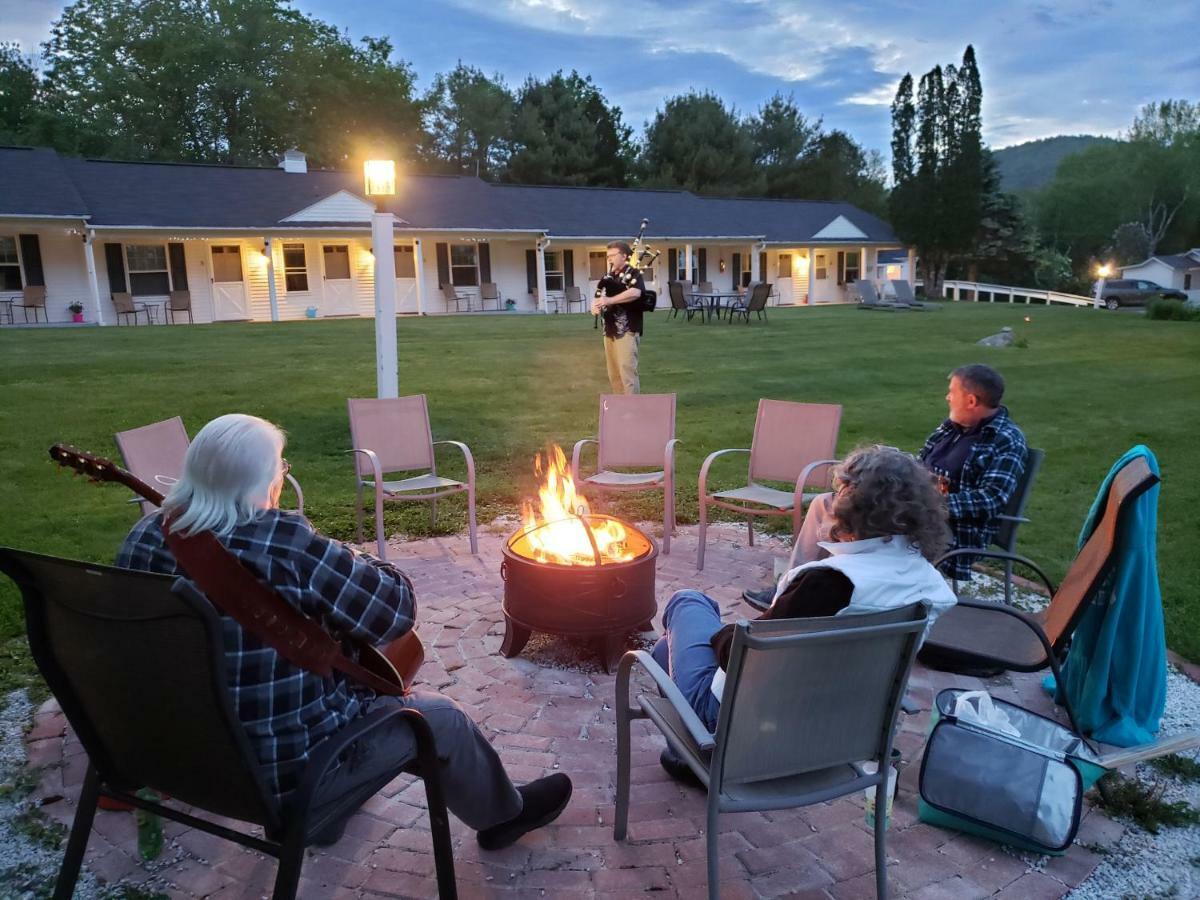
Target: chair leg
{"type": "Point", "coordinates": [471, 520]}
{"type": "Point", "coordinates": [81, 830]}
{"type": "Point", "coordinates": [703, 530]}
{"type": "Point", "coordinates": [621, 815]}
{"type": "Point", "coordinates": [433, 513]}
{"type": "Point", "coordinates": [435, 799]}
{"type": "Point", "coordinates": [668, 517]}
{"type": "Point", "coordinates": [291, 860]}
{"type": "Point", "coordinates": [380, 540]}
{"type": "Point", "coordinates": [881, 839]}
{"type": "Point", "coordinates": [714, 884]}
{"type": "Point", "coordinates": [358, 511]}
{"type": "Point", "coordinates": [750, 532]}
{"type": "Point", "coordinates": [1008, 576]}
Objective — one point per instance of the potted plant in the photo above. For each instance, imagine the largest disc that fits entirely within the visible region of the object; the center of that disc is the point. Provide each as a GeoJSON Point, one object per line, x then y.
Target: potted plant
{"type": "Point", "coordinates": [76, 310]}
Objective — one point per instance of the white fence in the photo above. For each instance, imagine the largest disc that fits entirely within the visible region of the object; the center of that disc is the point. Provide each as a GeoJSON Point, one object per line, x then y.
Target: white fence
{"type": "Point", "coordinates": [953, 290]}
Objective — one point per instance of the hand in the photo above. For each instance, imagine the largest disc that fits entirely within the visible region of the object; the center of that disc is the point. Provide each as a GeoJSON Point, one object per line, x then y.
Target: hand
{"type": "Point", "coordinates": [597, 306]}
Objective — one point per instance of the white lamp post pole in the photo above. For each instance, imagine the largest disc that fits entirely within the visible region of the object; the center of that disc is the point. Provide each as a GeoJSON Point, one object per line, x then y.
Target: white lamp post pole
{"type": "Point", "coordinates": [381, 182]}
{"type": "Point", "coordinates": [1103, 272]}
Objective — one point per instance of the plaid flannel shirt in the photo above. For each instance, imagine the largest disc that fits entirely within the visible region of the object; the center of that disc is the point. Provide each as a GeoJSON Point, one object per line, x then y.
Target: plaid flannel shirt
{"type": "Point", "coordinates": [988, 479]}
{"type": "Point", "coordinates": [286, 710]}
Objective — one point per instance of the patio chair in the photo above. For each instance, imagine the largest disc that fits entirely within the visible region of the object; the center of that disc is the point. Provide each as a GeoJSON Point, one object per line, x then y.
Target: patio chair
{"type": "Point", "coordinates": [393, 435]}
{"type": "Point", "coordinates": [636, 430]}
{"type": "Point", "coordinates": [154, 454]}
{"type": "Point", "coordinates": [490, 291]}
{"type": "Point", "coordinates": [1014, 515]}
{"type": "Point", "coordinates": [705, 287]}
{"type": "Point", "coordinates": [125, 307]}
{"type": "Point", "coordinates": [33, 297]}
{"type": "Point", "coordinates": [868, 297]}
{"type": "Point", "coordinates": [138, 664]}
{"type": "Point", "coordinates": [753, 301]}
{"type": "Point", "coordinates": [829, 690]}
{"type": "Point", "coordinates": [450, 295]}
{"type": "Point", "coordinates": [682, 302]}
{"type": "Point", "coordinates": [977, 637]}
{"type": "Point", "coordinates": [792, 442]}
{"type": "Point", "coordinates": [179, 302]}
{"type": "Point", "coordinates": [572, 294]}
{"type": "Point", "coordinates": [906, 298]}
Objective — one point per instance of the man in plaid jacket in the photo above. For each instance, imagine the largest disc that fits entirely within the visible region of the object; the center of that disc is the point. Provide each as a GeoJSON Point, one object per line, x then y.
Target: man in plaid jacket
{"type": "Point", "coordinates": [233, 474]}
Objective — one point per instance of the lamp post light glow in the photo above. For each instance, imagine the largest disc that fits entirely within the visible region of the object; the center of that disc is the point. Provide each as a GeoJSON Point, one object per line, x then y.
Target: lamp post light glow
{"type": "Point", "coordinates": [1103, 271]}
{"type": "Point", "coordinates": [379, 176]}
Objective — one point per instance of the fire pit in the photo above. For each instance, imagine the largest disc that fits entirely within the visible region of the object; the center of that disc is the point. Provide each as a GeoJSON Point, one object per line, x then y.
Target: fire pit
{"type": "Point", "coordinates": [570, 572]}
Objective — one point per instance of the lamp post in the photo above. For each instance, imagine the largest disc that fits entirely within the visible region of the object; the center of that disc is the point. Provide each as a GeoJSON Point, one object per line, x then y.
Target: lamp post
{"type": "Point", "coordinates": [380, 181]}
{"type": "Point", "coordinates": [1104, 271]}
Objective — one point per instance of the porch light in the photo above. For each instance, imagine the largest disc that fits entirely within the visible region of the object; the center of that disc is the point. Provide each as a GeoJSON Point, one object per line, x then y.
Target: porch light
{"type": "Point", "coordinates": [721, 264]}
{"type": "Point", "coordinates": [1104, 271]}
{"type": "Point", "coordinates": [380, 177]}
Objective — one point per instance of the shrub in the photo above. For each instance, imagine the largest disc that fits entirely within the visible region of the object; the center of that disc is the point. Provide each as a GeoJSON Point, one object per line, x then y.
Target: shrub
{"type": "Point", "coordinates": [1172, 309]}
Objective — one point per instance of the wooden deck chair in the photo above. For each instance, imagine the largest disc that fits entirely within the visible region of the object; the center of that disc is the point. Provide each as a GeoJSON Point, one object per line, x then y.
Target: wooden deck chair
{"type": "Point", "coordinates": [138, 663]}
{"type": "Point", "coordinates": [792, 442]}
{"type": "Point", "coordinates": [393, 435]}
{"type": "Point", "coordinates": [805, 702]}
{"type": "Point", "coordinates": [154, 453]}
{"type": "Point", "coordinates": [906, 298]}
{"type": "Point", "coordinates": [868, 297]}
{"type": "Point", "coordinates": [973, 636]}
{"type": "Point", "coordinates": [636, 431]}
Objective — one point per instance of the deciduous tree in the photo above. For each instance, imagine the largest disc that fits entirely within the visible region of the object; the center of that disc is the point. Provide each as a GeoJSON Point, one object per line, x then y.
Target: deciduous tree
{"type": "Point", "coordinates": [697, 143]}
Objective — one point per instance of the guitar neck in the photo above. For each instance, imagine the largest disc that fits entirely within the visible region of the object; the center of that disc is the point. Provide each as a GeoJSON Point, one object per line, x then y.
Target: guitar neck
{"type": "Point", "coordinates": [97, 468]}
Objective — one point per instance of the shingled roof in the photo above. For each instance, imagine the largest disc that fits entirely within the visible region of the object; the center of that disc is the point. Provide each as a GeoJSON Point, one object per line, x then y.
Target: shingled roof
{"type": "Point", "coordinates": [114, 194]}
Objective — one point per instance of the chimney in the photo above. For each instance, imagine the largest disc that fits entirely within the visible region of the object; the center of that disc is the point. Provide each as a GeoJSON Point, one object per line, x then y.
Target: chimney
{"type": "Point", "coordinates": [294, 161]}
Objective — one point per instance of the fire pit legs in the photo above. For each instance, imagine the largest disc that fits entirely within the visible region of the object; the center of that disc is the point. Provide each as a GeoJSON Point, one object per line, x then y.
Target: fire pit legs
{"type": "Point", "coordinates": [612, 648]}
{"type": "Point", "coordinates": [515, 638]}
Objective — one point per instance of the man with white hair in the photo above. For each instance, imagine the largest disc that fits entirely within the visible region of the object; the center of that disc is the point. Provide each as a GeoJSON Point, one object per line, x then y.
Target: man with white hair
{"type": "Point", "coordinates": [233, 474]}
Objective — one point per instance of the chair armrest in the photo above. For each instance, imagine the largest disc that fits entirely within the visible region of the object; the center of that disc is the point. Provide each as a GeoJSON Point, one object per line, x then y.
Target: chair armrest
{"type": "Point", "coordinates": [669, 459]}
{"type": "Point", "coordinates": [299, 493]}
{"type": "Point", "coordinates": [370, 454]}
{"type": "Point", "coordinates": [806, 473]}
{"type": "Point", "coordinates": [999, 554]}
{"type": "Point", "coordinates": [701, 735]}
{"type": "Point", "coordinates": [466, 452]}
{"type": "Point", "coordinates": [575, 458]}
{"type": "Point", "coordinates": [708, 461]}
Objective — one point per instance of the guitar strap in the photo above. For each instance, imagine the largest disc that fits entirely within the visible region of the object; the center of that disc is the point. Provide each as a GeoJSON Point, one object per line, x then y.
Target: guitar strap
{"type": "Point", "coordinates": [265, 614]}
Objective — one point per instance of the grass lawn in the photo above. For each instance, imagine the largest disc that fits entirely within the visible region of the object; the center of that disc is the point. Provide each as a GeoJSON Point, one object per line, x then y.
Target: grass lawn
{"type": "Point", "coordinates": [1086, 388]}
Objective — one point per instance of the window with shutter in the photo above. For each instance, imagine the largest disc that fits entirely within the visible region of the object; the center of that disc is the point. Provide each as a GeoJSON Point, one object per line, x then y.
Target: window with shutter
{"type": "Point", "coordinates": [147, 267]}
{"type": "Point", "coordinates": [295, 268]}
{"type": "Point", "coordinates": [10, 264]}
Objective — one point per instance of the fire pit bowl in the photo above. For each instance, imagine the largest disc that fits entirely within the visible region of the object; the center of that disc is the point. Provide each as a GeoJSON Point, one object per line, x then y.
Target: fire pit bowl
{"type": "Point", "coordinates": [603, 598]}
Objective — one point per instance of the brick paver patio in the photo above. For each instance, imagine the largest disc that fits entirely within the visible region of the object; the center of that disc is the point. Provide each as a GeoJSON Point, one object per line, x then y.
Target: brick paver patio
{"type": "Point", "coordinates": [542, 719]}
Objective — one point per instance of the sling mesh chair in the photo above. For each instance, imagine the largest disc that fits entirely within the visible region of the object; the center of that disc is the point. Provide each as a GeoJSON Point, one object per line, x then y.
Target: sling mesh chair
{"type": "Point", "coordinates": [488, 291]}
{"type": "Point", "coordinates": [137, 662]}
{"type": "Point", "coordinates": [792, 442]}
{"type": "Point", "coordinates": [805, 701]}
{"type": "Point", "coordinates": [753, 301]}
{"type": "Point", "coordinates": [393, 435]}
{"type": "Point", "coordinates": [978, 637]}
{"type": "Point", "coordinates": [572, 295]}
{"type": "Point", "coordinates": [124, 306]}
{"type": "Point", "coordinates": [683, 302]}
{"type": "Point", "coordinates": [179, 302]}
{"type": "Point", "coordinates": [34, 297]}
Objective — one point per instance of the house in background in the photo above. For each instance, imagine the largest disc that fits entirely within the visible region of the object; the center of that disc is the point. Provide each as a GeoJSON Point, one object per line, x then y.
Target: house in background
{"type": "Point", "coordinates": [271, 244]}
{"type": "Point", "coordinates": [1180, 271]}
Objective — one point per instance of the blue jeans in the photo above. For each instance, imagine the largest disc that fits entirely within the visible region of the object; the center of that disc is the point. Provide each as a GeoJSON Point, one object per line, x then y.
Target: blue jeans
{"type": "Point", "coordinates": [690, 621]}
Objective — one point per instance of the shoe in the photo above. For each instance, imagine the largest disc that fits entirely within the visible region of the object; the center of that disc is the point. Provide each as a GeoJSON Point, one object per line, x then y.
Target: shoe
{"type": "Point", "coordinates": [678, 769]}
{"type": "Point", "coordinates": [330, 834]}
{"type": "Point", "coordinates": [759, 599]}
{"type": "Point", "coordinates": [542, 801]}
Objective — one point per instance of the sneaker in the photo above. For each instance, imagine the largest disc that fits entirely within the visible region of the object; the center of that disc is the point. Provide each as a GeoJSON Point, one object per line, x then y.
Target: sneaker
{"type": "Point", "coordinates": [760, 599]}
{"type": "Point", "coordinates": [678, 769]}
{"type": "Point", "coordinates": [542, 801]}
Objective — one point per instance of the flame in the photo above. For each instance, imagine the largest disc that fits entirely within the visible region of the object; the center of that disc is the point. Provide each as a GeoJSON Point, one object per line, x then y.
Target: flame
{"type": "Point", "coordinates": [557, 531]}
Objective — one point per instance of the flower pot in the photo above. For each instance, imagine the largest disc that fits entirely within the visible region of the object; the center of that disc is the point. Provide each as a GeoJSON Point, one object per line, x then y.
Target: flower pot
{"type": "Point", "coordinates": [311, 312]}
{"type": "Point", "coordinates": [76, 317]}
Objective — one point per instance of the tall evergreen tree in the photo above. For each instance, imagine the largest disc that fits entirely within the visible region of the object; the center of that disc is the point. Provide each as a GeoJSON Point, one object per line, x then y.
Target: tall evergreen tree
{"type": "Point", "coordinates": [468, 123]}
{"type": "Point", "coordinates": [696, 143]}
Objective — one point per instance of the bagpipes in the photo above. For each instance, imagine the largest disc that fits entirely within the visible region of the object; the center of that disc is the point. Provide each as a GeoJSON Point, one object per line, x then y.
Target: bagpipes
{"type": "Point", "coordinates": [641, 257]}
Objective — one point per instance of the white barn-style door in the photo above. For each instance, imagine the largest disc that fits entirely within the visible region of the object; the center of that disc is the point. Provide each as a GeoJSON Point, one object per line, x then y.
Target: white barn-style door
{"type": "Point", "coordinates": [339, 287]}
{"type": "Point", "coordinates": [230, 300]}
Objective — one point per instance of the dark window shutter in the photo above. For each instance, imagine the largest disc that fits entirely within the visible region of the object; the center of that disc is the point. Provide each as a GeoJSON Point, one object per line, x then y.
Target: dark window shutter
{"type": "Point", "coordinates": [114, 261]}
{"type": "Point", "coordinates": [531, 271]}
{"type": "Point", "coordinates": [841, 267]}
{"type": "Point", "coordinates": [735, 263]}
{"type": "Point", "coordinates": [568, 268]}
{"type": "Point", "coordinates": [702, 255]}
{"type": "Point", "coordinates": [178, 267]}
{"type": "Point", "coordinates": [485, 263]}
{"type": "Point", "coordinates": [762, 266]}
{"type": "Point", "coordinates": [672, 263]}
{"type": "Point", "coordinates": [443, 263]}
{"type": "Point", "coordinates": [31, 257]}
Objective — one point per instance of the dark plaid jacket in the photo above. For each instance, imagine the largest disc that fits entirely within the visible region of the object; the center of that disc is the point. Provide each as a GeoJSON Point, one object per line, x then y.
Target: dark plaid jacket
{"type": "Point", "coordinates": [286, 710]}
{"type": "Point", "coordinates": [988, 479]}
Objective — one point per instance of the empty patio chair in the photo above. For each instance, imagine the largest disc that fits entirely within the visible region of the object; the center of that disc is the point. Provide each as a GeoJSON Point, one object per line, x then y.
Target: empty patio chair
{"type": "Point", "coordinates": [125, 307]}
{"type": "Point", "coordinates": [489, 291]}
{"type": "Point", "coordinates": [151, 703]}
{"type": "Point", "coordinates": [753, 301]}
{"type": "Point", "coordinates": [974, 636]}
{"type": "Point", "coordinates": [791, 443]}
{"type": "Point", "coordinates": [33, 297]}
{"type": "Point", "coordinates": [906, 298]}
{"type": "Point", "coordinates": [179, 302]}
{"type": "Point", "coordinates": [451, 295]}
{"type": "Point", "coordinates": [805, 702]}
{"type": "Point", "coordinates": [393, 435]}
{"type": "Point", "coordinates": [572, 294]}
{"type": "Point", "coordinates": [636, 431]}
{"type": "Point", "coordinates": [154, 454]}
{"type": "Point", "coordinates": [683, 302]}
{"type": "Point", "coordinates": [705, 287]}
{"type": "Point", "coordinates": [868, 297]}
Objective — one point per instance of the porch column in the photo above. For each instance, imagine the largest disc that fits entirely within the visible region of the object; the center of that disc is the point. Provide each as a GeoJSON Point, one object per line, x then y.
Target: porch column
{"type": "Point", "coordinates": [912, 267]}
{"type": "Point", "coordinates": [89, 260]}
{"type": "Point", "coordinates": [687, 263]}
{"type": "Point", "coordinates": [419, 262]}
{"type": "Point", "coordinates": [756, 272]}
{"type": "Point", "coordinates": [808, 284]}
{"type": "Point", "coordinates": [540, 287]}
{"type": "Point", "coordinates": [272, 292]}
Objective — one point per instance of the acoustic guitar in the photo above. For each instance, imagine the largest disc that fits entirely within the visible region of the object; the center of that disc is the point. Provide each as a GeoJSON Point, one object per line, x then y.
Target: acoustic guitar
{"type": "Point", "coordinates": [238, 593]}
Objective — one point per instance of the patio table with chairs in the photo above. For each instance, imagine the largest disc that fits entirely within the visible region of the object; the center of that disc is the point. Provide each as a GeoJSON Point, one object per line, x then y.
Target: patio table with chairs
{"type": "Point", "coordinates": [713, 300]}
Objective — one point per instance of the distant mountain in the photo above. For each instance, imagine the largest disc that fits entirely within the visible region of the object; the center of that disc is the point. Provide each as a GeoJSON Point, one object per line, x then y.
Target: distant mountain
{"type": "Point", "coordinates": [1029, 166]}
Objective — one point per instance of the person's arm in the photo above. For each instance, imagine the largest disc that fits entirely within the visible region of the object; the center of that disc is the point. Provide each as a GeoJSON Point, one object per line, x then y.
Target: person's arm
{"type": "Point", "coordinates": [820, 591]}
{"type": "Point", "coordinates": [989, 494]}
{"type": "Point", "coordinates": [633, 292]}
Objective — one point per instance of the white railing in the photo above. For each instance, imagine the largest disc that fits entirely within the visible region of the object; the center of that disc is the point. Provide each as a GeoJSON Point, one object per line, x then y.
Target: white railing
{"type": "Point", "coordinates": [953, 290]}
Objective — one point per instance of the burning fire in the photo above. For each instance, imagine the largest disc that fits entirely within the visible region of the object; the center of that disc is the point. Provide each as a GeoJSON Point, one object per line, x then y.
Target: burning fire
{"type": "Point", "coordinates": [558, 533]}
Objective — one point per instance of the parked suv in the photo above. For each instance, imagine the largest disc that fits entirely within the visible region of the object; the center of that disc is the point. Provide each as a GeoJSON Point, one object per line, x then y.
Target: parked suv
{"type": "Point", "coordinates": [1135, 292]}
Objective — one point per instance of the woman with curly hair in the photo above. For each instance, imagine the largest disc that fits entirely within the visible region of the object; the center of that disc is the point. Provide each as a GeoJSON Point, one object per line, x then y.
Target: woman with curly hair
{"type": "Point", "coordinates": [889, 523]}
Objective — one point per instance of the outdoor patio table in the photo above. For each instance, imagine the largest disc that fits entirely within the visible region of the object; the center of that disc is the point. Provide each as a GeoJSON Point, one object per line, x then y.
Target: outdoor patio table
{"type": "Point", "coordinates": [153, 308]}
{"type": "Point", "coordinates": [713, 300]}
{"type": "Point", "coordinates": [6, 310]}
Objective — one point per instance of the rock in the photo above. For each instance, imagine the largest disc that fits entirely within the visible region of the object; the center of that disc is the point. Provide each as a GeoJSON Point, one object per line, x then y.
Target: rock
{"type": "Point", "coordinates": [1003, 339]}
